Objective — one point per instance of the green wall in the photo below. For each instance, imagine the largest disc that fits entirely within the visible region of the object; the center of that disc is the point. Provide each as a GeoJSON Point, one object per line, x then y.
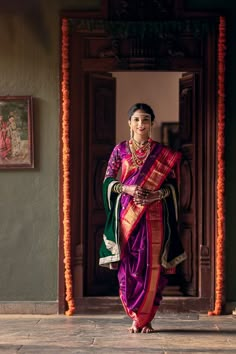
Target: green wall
{"type": "Point", "coordinates": [30, 65]}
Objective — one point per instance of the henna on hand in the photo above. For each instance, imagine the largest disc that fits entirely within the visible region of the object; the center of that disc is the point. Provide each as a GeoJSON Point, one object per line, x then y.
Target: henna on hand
{"type": "Point", "coordinates": [143, 196]}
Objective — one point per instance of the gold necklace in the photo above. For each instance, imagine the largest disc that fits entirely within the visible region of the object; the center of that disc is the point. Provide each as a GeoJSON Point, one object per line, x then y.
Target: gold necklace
{"type": "Point", "coordinates": [139, 144]}
{"type": "Point", "coordinates": [139, 154]}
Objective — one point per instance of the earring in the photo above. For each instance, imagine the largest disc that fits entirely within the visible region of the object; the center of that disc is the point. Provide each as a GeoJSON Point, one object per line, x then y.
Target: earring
{"type": "Point", "coordinates": [131, 133]}
{"type": "Point", "coordinates": [150, 132]}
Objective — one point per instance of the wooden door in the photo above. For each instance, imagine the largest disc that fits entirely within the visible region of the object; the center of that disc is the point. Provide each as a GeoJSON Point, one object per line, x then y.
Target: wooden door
{"type": "Point", "coordinates": [101, 115]}
{"type": "Point", "coordinates": [184, 282]}
{"type": "Point", "coordinates": [101, 120]}
{"type": "Point", "coordinates": [189, 115]}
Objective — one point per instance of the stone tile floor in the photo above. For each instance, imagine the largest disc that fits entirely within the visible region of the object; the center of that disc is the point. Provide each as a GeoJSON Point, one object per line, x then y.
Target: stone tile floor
{"type": "Point", "coordinates": [59, 334]}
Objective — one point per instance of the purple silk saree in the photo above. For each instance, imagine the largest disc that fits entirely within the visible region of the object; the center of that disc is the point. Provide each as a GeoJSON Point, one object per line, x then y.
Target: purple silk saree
{"type": "Point", "coordinates": [140, 272]}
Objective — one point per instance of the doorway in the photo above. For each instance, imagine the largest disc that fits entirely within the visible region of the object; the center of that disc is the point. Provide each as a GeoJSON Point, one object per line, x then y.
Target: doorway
{"type": "Point", "coordinates": [109, 98]}
{"type": "Point", "coordinates": [92, 134]}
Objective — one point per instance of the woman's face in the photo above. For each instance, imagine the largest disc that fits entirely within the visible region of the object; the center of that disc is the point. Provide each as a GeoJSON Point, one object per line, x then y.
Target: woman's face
{"type": "Point", "coordinates": [140, 123]}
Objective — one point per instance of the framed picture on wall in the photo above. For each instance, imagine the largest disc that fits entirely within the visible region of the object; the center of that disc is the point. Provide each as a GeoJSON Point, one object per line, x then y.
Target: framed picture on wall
{"type": "Point", "coordinates": [16, 132]}
{"type": "Point", "coordinates": [170, 135]}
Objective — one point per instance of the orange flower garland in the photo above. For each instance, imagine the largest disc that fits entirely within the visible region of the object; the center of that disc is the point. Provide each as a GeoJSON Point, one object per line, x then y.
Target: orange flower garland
{"type": "Point", "coordinates": [220, 242]}
{"type": "Point", "coordinates": [66, 167]}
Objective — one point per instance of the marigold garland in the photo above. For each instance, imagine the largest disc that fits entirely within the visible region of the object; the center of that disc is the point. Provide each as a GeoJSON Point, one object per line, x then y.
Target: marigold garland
{"type": "Point", "coordinates": [65, 102]}
{"type": "Point", "coordinates": [220, 241]}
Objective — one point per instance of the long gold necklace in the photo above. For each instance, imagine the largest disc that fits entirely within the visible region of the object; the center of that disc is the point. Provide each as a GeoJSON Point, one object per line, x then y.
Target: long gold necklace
{"type": "Point", "coordinates": [139, 151]}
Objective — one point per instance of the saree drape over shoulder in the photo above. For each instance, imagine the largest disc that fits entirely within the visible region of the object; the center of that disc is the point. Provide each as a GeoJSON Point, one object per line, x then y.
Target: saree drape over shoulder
{"type": "Point", "coordinates": [142, 241]}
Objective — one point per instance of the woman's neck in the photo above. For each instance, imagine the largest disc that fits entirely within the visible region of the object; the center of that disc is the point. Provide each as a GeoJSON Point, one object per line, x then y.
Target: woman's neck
{"type": "Point", "coordinates": [140, 140]}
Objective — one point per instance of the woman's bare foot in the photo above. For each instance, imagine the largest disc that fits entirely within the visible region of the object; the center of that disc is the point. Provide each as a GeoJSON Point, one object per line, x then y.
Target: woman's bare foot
{"type": "Point", "coordinates": [134, 328]}
{"type": "Point", "coordinates": [148, 328]}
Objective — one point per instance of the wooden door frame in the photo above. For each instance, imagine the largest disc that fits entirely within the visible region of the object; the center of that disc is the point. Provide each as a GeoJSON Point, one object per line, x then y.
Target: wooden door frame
{"type": "Point", "coordinates": [80, 64]}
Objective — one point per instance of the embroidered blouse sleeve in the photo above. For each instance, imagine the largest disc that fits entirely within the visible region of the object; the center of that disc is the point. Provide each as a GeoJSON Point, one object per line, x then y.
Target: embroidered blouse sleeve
{"type": "Point", "coordinates": [114, 163]}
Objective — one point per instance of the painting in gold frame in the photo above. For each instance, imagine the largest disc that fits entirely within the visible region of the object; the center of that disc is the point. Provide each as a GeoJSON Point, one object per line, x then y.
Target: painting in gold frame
{"type": "Point", "coordinates": [16, 132]}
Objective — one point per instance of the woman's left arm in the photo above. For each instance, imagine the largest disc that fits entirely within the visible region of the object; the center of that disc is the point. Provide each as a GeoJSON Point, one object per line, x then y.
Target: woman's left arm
{"type": "Point", "coordinates": [144, 196]}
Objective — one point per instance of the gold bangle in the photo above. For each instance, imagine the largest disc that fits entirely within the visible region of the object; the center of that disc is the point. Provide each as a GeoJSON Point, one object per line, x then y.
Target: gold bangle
{"type": "Point", "coordinates": [163, 193]}
{"type": "Point", "coordinates": [117, 188]}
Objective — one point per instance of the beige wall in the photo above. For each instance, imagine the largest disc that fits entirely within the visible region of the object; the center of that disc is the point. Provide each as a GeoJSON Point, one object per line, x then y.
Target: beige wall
{"type": "Point", "coordinates": [158, 89]}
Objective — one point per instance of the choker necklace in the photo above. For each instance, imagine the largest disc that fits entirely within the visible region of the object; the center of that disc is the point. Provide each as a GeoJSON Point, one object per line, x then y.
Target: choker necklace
{"type": "Point", "coordinates": [140, 144]}
{"type": "Point", "coordinates": [139, 153]}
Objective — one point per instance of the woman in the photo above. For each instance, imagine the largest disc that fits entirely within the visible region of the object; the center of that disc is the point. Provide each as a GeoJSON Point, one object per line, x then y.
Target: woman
{"type": "Point", "coordinates": [15, 136]}
{"type": "Point", "coordinates": [140, 237]}
{"type": "Point", "coordinates": [5, 141]}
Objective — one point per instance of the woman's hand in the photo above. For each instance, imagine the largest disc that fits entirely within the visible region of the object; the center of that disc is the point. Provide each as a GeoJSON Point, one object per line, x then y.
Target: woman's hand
{"type": "Point", "coordinates": [144, 196]}
{"type": "Point", "coordinates": [141, 195]}
{"type": "Point", "coordinates": [135, 191]}
{"type": "Point", "coordinates": [129, 189]}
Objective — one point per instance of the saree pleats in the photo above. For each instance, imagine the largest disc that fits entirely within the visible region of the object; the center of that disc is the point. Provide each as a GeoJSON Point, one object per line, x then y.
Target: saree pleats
{"type": "Point", "coordinates": [139, 301]}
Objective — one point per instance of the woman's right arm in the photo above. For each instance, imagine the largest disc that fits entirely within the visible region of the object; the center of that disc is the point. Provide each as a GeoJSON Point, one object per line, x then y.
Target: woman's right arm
{"type": "Point", "coordinates": [114, 163]}
{"type": "Point", "coordinates": [113, 167]}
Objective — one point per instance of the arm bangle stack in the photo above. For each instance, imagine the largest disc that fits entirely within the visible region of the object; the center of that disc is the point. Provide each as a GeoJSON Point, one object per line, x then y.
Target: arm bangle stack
{"type": "Point", "coordinates": [117, 188]}
{"type": "Point", "coordinates": [164, 193]}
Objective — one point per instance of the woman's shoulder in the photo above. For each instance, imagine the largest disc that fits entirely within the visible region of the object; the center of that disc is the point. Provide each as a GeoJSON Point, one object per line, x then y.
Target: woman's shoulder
{"type": "Point", "coordinates": [158, 143]}
{"type": "Point", "coordinates": [121, 145]}
{"type": "Point", "coordinates": [120, 149]}
{"type": "Point", "coordinates": [166, 148]}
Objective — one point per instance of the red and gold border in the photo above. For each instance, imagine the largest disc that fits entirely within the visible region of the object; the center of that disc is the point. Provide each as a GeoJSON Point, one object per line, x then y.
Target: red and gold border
{"type": "Point", "coordinates": [220, 241]}
{"type": "Point", "coordinates": [65, 104]}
